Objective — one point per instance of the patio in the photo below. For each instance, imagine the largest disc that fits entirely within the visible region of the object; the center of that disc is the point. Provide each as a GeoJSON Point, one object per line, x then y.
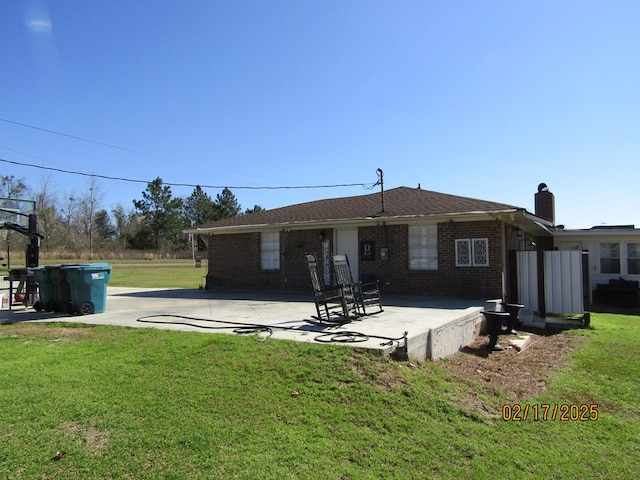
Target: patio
{"type": "Point", "coordinates": [420, 328]}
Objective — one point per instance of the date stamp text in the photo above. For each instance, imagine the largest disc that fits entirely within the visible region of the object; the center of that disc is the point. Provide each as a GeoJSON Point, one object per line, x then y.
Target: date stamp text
{"type": "Point", "coordinates": [566, 412]}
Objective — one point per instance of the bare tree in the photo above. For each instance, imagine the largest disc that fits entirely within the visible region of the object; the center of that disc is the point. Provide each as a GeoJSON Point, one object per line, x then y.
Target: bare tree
{"type": "Point", "coordinates": [48, 221]}
{"type": "Point", "coordinates": [12, 187]}
{"type": "Point", "coordinates": [87, 207]}
{"type": "Point", "coordinates": [125, 224]}
{"type": "Point", "coordinates": [69, 216]}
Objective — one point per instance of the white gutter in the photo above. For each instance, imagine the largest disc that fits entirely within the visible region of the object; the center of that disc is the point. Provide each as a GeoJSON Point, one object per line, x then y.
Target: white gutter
{"type": "Point", "coordinates": [373, 220]}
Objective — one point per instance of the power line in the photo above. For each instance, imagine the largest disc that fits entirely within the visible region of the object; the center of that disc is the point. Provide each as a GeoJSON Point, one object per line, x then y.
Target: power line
{"type": "Point", "coordinates": [172, 184]}
{"type": "Point", "coordinates": [84, 139]}
{"type": "Point", "coordinates": [109, 145]}
{"type": "Point", "coordinates": [138, 152]}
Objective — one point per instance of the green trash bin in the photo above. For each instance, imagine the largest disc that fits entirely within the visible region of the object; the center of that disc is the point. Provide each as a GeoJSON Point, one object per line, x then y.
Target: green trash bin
{"type": "Point", "coordinates": [62, 289]}
{"type": "Point", "coordinates": [46, 289]}
{"type": "Point", "coordinates": [88, 285]}
{"type": "Point", "coordinates": [54, 291]}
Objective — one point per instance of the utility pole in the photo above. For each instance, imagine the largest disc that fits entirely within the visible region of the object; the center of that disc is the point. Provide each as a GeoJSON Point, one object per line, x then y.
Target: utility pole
{"type": "Point", "coordinates": [381, 182]}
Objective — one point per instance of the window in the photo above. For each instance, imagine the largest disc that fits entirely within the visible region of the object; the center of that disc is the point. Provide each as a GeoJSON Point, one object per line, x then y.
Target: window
{"type": "Point", "coordinates": [270, 250]}
{"type": "Point", "coordinates": [423, 247]}
{"type": "Point", "coordinates": [633, 258]}
{"type": "Point", "coordinates": [472, 252]}
{"type": "Point", "coordinates": [609, 258]}
{"type": "Point", "coordinates": [570, 246]}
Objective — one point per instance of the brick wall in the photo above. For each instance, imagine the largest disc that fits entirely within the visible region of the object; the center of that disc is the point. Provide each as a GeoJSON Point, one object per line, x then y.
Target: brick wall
{"type": "Point", "coordinates": [395, 276]}
{"type": "Point", "coordinates": [234, 261]}
{"type": "Point", "coordinates": [477, 281]}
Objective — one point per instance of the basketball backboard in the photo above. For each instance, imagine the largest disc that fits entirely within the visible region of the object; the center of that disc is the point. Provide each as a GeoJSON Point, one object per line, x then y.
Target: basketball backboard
{"type": "Point", "coordinates": [16, 211]}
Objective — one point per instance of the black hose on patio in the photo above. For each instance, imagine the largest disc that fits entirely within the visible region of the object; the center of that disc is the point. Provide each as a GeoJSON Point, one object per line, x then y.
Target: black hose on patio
{"type": "Point", "coordinates": [249, 328]}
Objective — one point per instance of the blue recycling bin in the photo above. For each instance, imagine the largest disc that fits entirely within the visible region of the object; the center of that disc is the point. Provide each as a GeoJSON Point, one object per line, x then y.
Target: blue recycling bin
{"type": "Point", "coordinates": [88, 287]}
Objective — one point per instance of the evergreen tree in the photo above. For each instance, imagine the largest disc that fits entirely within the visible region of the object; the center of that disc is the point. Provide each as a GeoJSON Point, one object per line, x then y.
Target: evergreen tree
{"type": "Point", "coordinates": [199, 208]}
{"type": "Point", "coordinates": [227, 204]}
{"type": "Point", "coordinates": [104, 226]}
{"type": "Point", "coordinates": [162, 215]}
{"type": "Point", "coordinates": [256, 208]}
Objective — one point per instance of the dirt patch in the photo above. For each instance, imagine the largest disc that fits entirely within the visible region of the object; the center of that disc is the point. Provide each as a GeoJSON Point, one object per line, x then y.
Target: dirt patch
{"type": "Point", "coordinates": [51, 332]}
{"type": "Point", "coordinates": [509, 375]}
{"type": "Point", "coordinates": [385, 376]}
{"type": "Point", "coordinates": [93, 438]}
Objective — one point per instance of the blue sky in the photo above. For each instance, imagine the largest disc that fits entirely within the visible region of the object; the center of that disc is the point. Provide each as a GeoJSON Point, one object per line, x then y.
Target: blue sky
{"type": "Point", "coordinates": [485, 99]}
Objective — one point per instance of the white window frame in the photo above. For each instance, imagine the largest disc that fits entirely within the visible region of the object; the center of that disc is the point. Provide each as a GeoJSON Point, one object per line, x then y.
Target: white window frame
{"type": "Point", "coordinates": [633, 254]}
{"type": "Point", "coordinates": [570, 246]}
{"type": "Point", "coordinates": [468, 254]}
{"type": "Point", "coordinates": [423, 247]}
{"type": "Point", "coordinates": [601, 252]}
{"type": "Point", "coordinates": [270, 250]}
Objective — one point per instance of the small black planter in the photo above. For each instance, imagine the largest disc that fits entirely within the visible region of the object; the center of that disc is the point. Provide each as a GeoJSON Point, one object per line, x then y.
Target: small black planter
{"type": "Point", "coordinates": [494, 321]}
{"type": "Point", "coordinates": [513, 309]}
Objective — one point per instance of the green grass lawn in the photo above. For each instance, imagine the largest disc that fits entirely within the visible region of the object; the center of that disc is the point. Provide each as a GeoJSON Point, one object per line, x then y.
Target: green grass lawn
{"type": "Point", "coordinates": [96, 402]}
{"type": "Point", "coordinates": [157, 273]}
{"type": "Point", "coordinates": [150, 273]}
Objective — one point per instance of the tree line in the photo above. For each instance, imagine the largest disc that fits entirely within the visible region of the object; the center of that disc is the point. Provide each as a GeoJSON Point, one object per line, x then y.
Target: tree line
{"type": "Point", "coordinates": [79, 223]}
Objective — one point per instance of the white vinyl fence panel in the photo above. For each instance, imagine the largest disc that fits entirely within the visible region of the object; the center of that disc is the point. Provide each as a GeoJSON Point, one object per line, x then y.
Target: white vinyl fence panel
{"type": "Point", "coordinates": [527, 280]}
{"type": "Point", "coordinates": [563, 289]}
{"type": "Point", "coordinates": [563, 282]}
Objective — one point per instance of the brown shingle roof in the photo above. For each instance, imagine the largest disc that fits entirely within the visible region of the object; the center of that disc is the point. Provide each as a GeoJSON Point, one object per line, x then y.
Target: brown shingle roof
{"type": "Point", "coordinates": [398, 202]}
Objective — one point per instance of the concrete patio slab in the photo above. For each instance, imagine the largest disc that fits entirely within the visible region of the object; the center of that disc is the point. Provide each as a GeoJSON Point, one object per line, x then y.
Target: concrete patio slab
{"type": "Point", "coordinates": [434, 327]}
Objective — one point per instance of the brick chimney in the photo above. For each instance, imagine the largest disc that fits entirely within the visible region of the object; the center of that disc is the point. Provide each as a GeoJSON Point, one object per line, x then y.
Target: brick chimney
{"type": "Point", "coordinates": [545, 203]}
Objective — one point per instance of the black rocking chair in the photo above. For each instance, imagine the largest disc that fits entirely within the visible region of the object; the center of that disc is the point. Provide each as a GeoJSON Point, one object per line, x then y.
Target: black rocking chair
{"type": "Point", "coordinates": [366, 295]}
{"type": "Point", "coordinates": [331, 301]}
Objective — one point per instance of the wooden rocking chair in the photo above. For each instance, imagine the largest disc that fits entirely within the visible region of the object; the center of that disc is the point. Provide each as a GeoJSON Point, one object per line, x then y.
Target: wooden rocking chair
{"type": "Point", "coordinates": [367, 295]}
{"type": "Point", "coordinates": [331, 301]}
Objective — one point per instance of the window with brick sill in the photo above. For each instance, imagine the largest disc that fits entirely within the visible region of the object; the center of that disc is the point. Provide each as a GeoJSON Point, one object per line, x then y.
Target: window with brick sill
{"type": "Point", "coordinates": [472, 252]}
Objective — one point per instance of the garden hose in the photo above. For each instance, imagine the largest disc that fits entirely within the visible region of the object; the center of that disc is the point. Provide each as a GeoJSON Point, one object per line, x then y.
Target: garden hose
{"type": "Point", "coordinates": [251, 328]}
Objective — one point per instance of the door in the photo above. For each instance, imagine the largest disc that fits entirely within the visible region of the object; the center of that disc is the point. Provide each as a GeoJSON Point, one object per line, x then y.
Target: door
{"type": "Point", "coordinates": [347, 243]}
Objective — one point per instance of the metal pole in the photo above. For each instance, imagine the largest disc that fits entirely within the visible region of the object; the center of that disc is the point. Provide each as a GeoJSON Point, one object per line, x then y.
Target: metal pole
{"type": "Point", "coordinates": [381, 182]}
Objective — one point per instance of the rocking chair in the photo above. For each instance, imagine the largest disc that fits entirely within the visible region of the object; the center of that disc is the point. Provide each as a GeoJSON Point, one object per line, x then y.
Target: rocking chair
{"type": "Point", "coordinates": [367, 295]}
{"type": "Point", "coordinates": [331, 301]}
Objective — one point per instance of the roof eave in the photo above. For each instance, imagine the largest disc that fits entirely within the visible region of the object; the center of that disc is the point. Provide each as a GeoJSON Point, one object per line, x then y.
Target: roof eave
{"type": "Point", "coordinates": [597, 232]}
{"type": "Point", "coordinates": [529, 222]}
{"type": "Point", "coordinates": [344, 222]}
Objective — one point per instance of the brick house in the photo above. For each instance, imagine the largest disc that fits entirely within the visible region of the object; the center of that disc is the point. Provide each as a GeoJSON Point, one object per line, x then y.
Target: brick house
{"type": "Point", "coordinates": [411, 240]}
